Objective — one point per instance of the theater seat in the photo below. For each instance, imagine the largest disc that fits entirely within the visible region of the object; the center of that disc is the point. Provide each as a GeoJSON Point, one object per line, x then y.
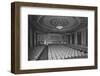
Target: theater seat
{"type": "Point", "coordinates": [63, 52]}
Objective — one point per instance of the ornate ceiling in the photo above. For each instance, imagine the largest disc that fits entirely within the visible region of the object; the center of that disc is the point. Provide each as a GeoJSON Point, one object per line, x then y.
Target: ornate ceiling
{"type": "Point", "coordinates": [57, 23]}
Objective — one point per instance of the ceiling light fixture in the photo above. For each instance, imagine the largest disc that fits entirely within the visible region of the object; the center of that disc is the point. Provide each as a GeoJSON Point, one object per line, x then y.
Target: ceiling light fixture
{"type": "Point", "coordinates": [59, 27]}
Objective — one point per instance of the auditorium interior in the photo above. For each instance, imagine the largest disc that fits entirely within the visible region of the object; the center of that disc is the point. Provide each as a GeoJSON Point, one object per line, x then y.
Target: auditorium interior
{"type": "Point", "coordinates": [53, 37]}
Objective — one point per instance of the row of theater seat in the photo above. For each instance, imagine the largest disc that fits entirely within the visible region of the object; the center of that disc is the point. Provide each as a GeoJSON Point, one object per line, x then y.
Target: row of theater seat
{"type": "Point", "coordinates": [63, 52]}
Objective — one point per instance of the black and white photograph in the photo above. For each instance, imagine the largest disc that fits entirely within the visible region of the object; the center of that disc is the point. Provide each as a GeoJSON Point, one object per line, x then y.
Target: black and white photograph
{"type": "Point", "coordinates": [52, 37]}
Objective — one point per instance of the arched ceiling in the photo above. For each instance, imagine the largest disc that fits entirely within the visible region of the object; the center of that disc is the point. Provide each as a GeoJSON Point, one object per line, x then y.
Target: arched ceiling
{"type": "Point", "coordinates": [57, 23]}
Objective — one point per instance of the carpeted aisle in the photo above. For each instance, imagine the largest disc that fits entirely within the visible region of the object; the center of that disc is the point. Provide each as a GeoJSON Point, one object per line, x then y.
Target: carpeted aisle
{"type": "Point", "coordinates": [44, 54]}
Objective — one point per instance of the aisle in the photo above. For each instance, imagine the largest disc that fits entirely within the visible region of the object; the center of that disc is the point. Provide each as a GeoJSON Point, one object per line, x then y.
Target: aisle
{"type": "Point", "coordinates": [44, 54]}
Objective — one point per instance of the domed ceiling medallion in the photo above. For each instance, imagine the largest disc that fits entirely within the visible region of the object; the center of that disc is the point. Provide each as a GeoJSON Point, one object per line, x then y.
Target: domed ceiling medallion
{"type": "Point", "coordinates": [59, 23]}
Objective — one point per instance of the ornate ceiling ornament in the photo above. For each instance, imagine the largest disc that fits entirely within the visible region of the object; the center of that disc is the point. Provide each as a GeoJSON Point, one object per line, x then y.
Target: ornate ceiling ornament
{"type": "Point", "coordinates": [59, 23]}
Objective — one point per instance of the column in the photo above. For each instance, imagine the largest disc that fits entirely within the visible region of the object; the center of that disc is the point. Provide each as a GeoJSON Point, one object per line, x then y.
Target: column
{"type": "Point", "coordinates": [70, 38]}
{"type": "Point", "coordinates": [75, 38]}
{"type": "Point", "coordinates": [31, 39]}
{"type": "Point", "coordinates": [66, 38]}
{"type": "Point", "coordinates": [82, 37]}
{"type": "Point", "coordinates": [34, 38]}
{"type": "Point", "coordinates": [85, 38]}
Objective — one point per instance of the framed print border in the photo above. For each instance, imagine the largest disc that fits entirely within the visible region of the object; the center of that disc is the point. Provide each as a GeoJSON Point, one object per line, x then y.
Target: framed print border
{"type": "Point", "coordinates": [15, 37]}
